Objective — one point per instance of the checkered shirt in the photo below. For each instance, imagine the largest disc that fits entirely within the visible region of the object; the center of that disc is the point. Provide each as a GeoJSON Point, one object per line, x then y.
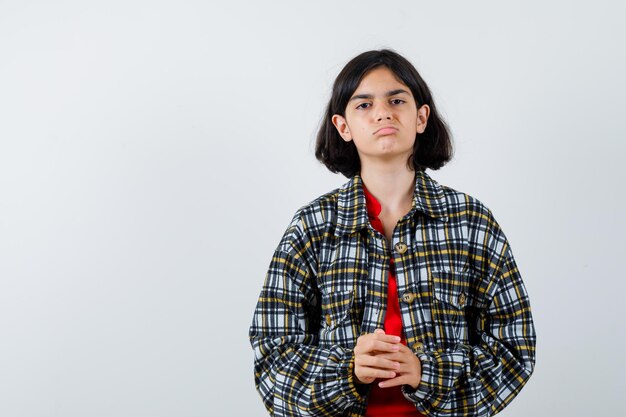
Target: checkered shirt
{"type": "Point", "coordinates": [465, 310]}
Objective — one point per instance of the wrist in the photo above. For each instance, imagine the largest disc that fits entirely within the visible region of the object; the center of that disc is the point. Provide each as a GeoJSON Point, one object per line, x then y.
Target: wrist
{"type": "Point", "coordinates": [356, 379]}
{"type": "Point", "coordinates": [416, 382]}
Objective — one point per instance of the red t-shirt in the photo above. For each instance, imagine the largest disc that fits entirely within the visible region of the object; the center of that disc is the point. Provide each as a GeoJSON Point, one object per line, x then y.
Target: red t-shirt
{"type": "Point", "coordinates": [388, 402]}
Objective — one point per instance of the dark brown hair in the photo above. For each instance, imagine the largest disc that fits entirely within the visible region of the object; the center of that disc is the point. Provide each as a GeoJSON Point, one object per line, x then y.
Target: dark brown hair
{"type": "Point", "coordinates": [433, 147]}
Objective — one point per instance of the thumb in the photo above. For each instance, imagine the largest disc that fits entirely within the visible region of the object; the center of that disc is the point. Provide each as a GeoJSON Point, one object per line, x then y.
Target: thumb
{"type": "Point", "coordinates": [379, 331]}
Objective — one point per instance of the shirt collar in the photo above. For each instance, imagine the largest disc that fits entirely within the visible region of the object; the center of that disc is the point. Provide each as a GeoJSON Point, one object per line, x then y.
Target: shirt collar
{"type": "Point", "coordinates": [373, 205]}
{"type": "Point", "coordinates": [352, 214]}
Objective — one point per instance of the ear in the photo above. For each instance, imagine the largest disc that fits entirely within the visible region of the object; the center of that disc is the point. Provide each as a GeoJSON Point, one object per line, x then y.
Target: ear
{"type": "Point", "coordinates": [342, 127]}
{"type": "Point", "coordinates": [422, 118]}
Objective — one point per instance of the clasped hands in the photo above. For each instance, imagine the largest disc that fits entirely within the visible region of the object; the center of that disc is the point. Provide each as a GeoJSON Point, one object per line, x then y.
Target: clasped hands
{"type": "Point", "coordinates": [383, 356]}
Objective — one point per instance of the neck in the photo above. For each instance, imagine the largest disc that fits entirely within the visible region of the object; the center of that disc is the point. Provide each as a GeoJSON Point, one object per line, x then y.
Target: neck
{"type": "Point", "coordinates": [392, 186]}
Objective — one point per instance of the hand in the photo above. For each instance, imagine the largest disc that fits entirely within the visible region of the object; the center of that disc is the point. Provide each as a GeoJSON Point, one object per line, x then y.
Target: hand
{"type": "Point", "coordinates": [369, 360]}
{"type": "Point", "coordinates": [409, 371]}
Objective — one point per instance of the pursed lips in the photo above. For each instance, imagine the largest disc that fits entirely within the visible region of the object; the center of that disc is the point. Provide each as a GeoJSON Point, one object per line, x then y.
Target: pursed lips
{"type": "Point", "coordinates": [386, 130]}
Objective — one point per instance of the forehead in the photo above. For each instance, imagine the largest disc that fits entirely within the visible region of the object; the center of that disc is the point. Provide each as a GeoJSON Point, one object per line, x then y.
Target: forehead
{"type": "Point", "coordinates": [378, 79]}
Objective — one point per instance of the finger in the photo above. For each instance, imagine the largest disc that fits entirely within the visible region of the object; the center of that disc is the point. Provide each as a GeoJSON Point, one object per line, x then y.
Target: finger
{"type": "Point", "coordinates": [379, 336]}
{"type": "Point", "coordinates": [380, 332]}
{"type": "Point", "coordinates": [397, 356]}
{"type": "Point", "coordinates": [408, 364]}
{"type": "Point", "coordinates": [379, 346]}
{"type": "Point", "coordinates": [405, 352]}
{"type": "Point", "coordinates": [394, 382]}
{"type": "Point", "coordinates": [406, 349]}
{"type": "Point", "coordinates": [367, 342]}
{"type": "Point", "coordinates": [376, 362]}
{"type": "Point", "coordinates": [364, 373]}
{"type": "Point", "coordinates": [408, 379]}
{"type": "Point", "coordinates": [390, 338]}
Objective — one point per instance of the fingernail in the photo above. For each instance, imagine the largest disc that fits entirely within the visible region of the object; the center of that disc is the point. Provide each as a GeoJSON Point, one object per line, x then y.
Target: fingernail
{"type": "Point", "coordinates": [397, 338]}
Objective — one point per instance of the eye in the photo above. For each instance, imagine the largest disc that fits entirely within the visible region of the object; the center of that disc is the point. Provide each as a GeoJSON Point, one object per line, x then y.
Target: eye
{"type": "Point", "coordinates": [393, 101]}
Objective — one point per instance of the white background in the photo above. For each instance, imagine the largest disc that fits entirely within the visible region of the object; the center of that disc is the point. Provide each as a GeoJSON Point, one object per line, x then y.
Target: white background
{"type": "Point", "coordinates": [153, 153]}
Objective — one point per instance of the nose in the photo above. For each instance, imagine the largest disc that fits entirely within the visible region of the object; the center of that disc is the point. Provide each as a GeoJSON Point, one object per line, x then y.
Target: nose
{"type": "Point", "coordinates": [383, 112]}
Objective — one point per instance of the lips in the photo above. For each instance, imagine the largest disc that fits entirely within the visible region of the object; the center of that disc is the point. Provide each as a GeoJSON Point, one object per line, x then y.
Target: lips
{"type": "Point", "coordinates": [386, 130]}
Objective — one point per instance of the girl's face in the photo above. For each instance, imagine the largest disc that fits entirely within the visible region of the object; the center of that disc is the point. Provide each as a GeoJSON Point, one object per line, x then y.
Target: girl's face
{"type": "Point", "coordinates": [382, 119]}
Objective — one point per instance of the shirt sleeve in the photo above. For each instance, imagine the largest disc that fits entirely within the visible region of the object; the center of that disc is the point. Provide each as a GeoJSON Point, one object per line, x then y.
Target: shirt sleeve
{"type": "Point", "coordinates": [482, 378]}
{"type": "Point", "coordinates": [293, 375]}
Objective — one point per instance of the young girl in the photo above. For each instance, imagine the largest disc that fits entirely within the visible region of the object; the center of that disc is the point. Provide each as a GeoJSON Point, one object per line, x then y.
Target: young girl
{"type": "Point", "coordinates": [392, 295]}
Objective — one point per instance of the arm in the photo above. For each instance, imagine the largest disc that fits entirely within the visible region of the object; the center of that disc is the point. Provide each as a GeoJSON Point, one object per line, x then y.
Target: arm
{"type": "Point", "coordinates": [292, 374]}
{"type": "Point", "coordinates": [482, 378]}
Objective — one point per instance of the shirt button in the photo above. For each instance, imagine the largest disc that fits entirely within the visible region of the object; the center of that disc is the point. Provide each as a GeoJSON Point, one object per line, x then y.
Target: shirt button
{"type": "Point", "coordinates": [401, 247]}
{"type": "Point", "coordinates": [408, 297]}
{"type": "Point", "coordinates": [462, 299]}
{"type": "Point", "coordinates": [328, 320]}
{"type": "Point", "coordinates": [418, 346]}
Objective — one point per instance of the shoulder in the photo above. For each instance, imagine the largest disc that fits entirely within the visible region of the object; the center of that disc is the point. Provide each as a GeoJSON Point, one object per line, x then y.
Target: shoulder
{"type": "Point", "coordinates": [484, 234]}
{"type": "Point", "coordinates": [471, 212]}
{"type": "Point", "coordinates": [460, 203]}
{"type": "Point", "coordinates": [310, 222]}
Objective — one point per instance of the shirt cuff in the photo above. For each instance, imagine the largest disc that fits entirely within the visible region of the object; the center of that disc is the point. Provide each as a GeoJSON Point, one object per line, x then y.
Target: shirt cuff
{"type": "Point", "coordinates": [348, 385]}
{"type": "Point", "coordinates": [425, 388]}
{"type": "Point", "coordinates": [440, 370]}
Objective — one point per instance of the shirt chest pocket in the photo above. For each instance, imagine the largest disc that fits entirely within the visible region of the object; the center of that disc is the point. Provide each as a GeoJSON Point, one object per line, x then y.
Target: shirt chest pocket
{"type": "Point", "coordinates": [341, 318]}
{"type": "Point", "coordinates": [451, 297]}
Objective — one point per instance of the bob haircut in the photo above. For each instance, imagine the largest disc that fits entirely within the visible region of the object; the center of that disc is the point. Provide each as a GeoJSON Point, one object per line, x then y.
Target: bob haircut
{"type": "Point", "coordinates": [433, 147]}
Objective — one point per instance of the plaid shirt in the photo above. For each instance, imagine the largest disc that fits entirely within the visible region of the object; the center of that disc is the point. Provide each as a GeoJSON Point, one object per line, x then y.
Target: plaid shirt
{"type": "Point", "coordinates": [465, 310]}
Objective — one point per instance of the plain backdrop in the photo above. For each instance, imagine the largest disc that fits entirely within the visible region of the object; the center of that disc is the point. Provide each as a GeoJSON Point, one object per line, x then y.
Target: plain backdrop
{"type": "Point", "coordinates": [152, 154]}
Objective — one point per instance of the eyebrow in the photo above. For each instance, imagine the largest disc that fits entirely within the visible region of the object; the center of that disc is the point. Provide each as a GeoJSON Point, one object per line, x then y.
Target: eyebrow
{"type": "Point", "coordinates": [389, 93]}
